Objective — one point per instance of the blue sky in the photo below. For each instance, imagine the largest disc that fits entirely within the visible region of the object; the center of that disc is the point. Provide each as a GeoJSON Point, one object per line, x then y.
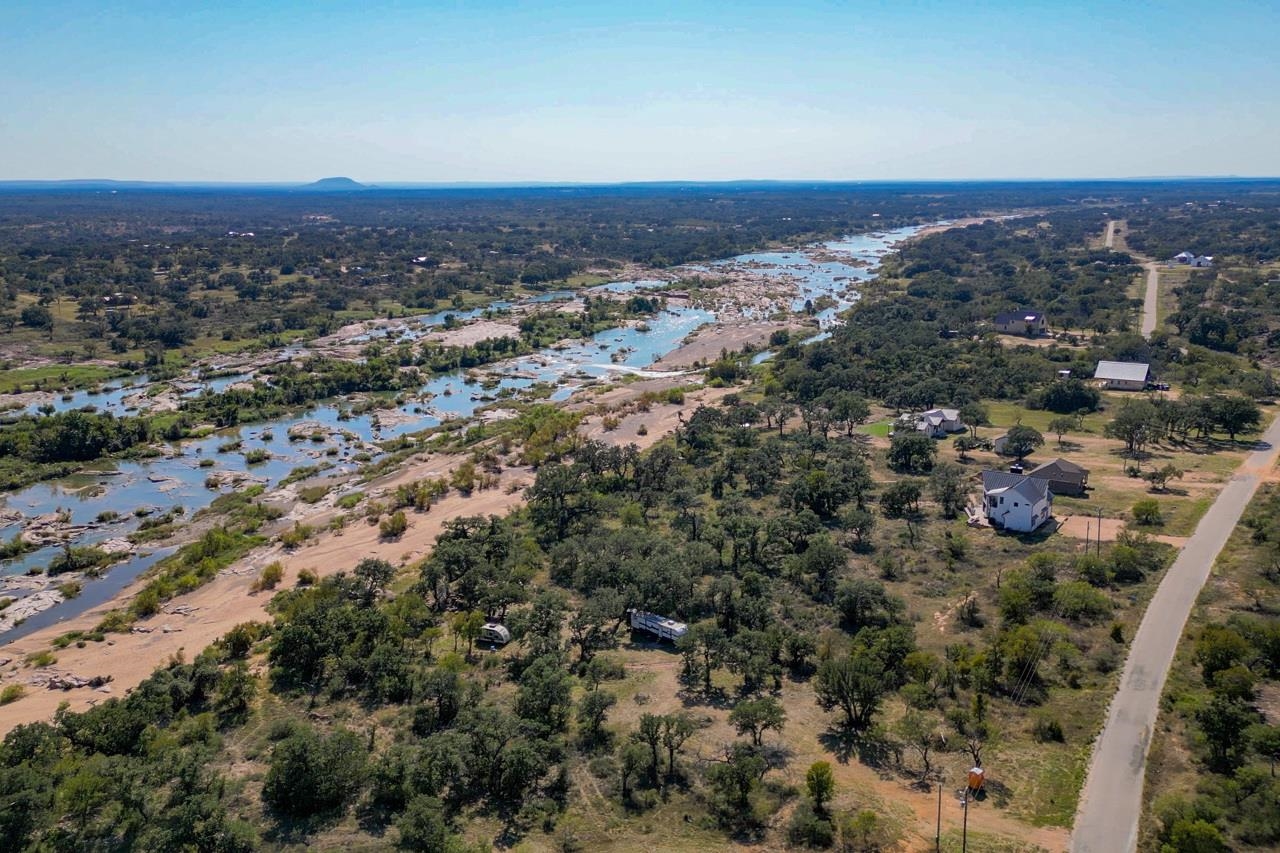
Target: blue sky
{"type": "Point", "coordinates": [523, 91]}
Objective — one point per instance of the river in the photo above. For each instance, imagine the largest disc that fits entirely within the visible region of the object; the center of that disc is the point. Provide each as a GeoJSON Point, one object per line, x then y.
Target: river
{"type": "Point", "coordinates": [179, 479]}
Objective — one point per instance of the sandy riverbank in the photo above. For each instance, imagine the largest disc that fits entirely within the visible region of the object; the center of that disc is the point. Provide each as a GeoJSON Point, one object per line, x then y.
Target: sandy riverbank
{"type": "Point", "coordinates": [193, 621]}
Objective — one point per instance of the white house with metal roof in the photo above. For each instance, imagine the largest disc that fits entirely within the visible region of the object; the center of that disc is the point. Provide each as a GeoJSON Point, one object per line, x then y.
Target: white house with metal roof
{"type": "Point", "coordinates": [1016, 501]}
{"type": "Point", "coordinates": [1123, 375]}
{"type": "Point", "coordinates": [937, 423]}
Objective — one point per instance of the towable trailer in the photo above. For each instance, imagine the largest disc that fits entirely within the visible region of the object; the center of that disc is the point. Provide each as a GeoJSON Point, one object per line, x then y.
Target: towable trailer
{"type": "Point", "coordinates": [492, 632]}
{"type": "Point", "coordinates": [660, 626]}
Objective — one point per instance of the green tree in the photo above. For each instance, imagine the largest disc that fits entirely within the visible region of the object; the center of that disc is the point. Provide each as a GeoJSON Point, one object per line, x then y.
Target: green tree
{"type": "Point", "coordinates": [1147, 511]}
{"type": "Point", "coordinates": [1236, 414]}
{"type": "Point", "coordinates": [309, 774]}
{"type": "Point", "coordinates": [912, 452]}
{"type": "Point", "coordinates": [1136, 424]}
{"type": "Point", "coordinates": [855, 684]}
{"type": "Point", "coordinates": [1060, 426]}
{"type": "Point", "coordinates": [821, 784]}
{"type": "Point", "coordinates": [949, 486]}
{"type": "Point", "coordinates": [703, 648]}
{"type": "Point", "coordinates": [543, 696]}
{"type": "Point", "coordinates": [1021, 441]}
{"type": "Point", "coordinates": [593, 711]}
{"type": "Point", "coordinates": [756, 716]}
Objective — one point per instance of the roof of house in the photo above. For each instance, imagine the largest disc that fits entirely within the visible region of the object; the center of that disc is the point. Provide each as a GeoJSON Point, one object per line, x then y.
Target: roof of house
{"type": "Point", "coordinates": [1015, 316]}
{"type": "Point", "coordinates": [1000, 482]}
{"type": "Point", "coordinates": [937, 416]}
{"type": "Point", "coordinates": [1128, 371]}
{"type": "Point", "coordinates": [1184, 255]}
{"type": "Point", "coordinates": [1055, 467]}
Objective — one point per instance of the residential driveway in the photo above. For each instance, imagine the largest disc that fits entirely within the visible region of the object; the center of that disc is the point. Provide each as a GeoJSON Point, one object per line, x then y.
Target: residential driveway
{"type": "Point", "coordinates": [1111, 801]}
{"type": "Point", "coordinates": [1149, 301]}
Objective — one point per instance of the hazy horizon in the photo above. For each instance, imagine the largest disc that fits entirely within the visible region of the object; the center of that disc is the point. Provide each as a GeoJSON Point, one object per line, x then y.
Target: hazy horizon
{"type": "Point", "coordinates": [506, 92]}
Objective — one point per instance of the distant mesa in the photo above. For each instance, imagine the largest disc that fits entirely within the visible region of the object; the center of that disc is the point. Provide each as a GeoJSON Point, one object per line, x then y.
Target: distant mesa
{"type": "Point", "coordinates": [331, 185]}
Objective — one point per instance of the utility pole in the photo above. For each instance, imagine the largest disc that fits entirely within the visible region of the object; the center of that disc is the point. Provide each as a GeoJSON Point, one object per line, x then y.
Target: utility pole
{"type": "Point", "coordinates": [1099, 551]}
{"type": "Point", "coordinates": [964, 832]}
{"type": "Point", "coordinates": [937, 838]}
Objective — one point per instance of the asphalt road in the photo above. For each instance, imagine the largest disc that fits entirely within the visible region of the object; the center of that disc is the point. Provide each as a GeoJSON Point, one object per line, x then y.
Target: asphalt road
{"type": "Point", "coordinates": [1111, 801]}
{"type": "Point", "coordinates": [1149, 302]}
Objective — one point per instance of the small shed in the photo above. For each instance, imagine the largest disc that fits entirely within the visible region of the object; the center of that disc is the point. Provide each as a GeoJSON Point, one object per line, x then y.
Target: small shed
{"type": "Point", "coordinates": [1064, 477]}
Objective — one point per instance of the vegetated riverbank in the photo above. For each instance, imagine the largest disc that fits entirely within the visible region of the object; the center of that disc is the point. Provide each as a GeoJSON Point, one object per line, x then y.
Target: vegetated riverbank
{"type": "Point", "coordinates": [337, 438]}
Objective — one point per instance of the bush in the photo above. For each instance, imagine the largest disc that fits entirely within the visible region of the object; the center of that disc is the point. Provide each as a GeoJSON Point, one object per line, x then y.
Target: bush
{"type": "Point", "coordinates": [311, 775]}
{"type": "Point", "coordinates": [294, 538]}
{"type": "Point", "coordinates": [349, 501]}
{"type": "Point", "coordinates": [312, 494]}
{"type": "Point", "coordinates": [809, 829]}
{"type": "Point", "coordinates": [1047, 729]}
{"type": "Point", "coordinates": [1078, 600]}
{"type": "Point", "coordinates": [394, 525]}
{"type": "Point", "coordinates": [12, 693]}
{"type": "Point", "coordinates": [271, 576]}
{"type": "Point", "coordinates": [307, 577]}
{"type": "Point", "coordinates": [1147, 512]}
{"type": "Point", "coordinates": [257, 456]}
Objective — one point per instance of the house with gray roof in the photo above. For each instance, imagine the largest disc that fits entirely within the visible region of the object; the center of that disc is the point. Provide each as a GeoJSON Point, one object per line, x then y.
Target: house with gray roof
{"type": "Point", "coordinates": [1064, 477]}
{"type": "Point", "coordinates": [1123, 375]}
{"type": "Point", "coordinates": [1022, 322]}
{"type": "Point", "coordinates": [1016, 502]}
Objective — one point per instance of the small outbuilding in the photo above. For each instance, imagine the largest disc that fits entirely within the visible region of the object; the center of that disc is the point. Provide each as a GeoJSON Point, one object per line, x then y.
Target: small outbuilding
{"type": "Point", "coordinates": [1123, 375]}
{"type": "Point", "coordinates": [1063, 477]}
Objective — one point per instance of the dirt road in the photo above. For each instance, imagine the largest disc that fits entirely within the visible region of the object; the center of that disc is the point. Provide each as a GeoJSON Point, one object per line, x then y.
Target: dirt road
{"type": "Point", "coordinates": [1150, 299]}
{"type": "Point", "coordinates": [1111, 801]}
{"type": "Point", "coordinates": [1110, 241]}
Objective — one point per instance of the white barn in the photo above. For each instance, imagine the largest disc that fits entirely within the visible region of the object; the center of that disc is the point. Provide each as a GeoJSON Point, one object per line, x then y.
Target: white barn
{"type": "Point", "coordinates": [1123, 375]}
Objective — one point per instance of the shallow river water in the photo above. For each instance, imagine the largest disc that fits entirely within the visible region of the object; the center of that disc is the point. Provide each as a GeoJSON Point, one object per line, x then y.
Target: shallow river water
{"type": "Point", "coordinates": [179, 480]}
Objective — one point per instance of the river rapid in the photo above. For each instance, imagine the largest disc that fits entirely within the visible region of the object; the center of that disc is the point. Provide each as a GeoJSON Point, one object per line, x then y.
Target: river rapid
{"type": "Point", "coordinates": [331, 433]}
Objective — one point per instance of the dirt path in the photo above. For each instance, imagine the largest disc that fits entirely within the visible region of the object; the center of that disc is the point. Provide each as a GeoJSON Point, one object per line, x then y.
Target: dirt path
{"type": "Point", "coordinates": [1111, 800]}
{"type": "Point", "coordinates": [1151, 299]}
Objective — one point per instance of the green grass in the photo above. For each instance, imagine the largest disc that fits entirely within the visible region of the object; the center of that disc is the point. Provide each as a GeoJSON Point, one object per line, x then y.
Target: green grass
{"type": "Point", "coordinates": [880, 430]}
{"type": "Point", "coordinates": [56, 376]}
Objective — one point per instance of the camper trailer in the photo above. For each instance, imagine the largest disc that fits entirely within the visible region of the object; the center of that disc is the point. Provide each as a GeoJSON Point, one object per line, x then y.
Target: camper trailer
{"type": "Point", "coordinates": [492, 632]}
{"type": "Point", "coordinates": [660, 626]}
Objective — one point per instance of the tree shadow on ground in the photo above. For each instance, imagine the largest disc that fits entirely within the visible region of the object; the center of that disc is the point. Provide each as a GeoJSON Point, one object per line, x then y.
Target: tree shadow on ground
{"type": "Point", "coordinates": [870, 748]}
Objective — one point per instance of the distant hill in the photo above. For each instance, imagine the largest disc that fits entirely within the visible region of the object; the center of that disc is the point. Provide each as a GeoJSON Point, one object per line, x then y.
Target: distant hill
{"type": "Point", "coordinates": [331, 185]}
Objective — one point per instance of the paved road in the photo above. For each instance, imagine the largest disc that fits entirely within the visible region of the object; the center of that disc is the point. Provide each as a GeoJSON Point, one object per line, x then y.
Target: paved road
{"type": "Point", "coordinates": [1111, 802]}
{"type": "Point", "coordinates": [1149, 301]}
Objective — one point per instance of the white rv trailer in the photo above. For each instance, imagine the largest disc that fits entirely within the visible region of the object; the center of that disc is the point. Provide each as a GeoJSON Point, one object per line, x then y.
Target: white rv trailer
{"type": "Point", "coordinates": [660, 626]}
{"type": "Point", "coordinates": [492, 632]}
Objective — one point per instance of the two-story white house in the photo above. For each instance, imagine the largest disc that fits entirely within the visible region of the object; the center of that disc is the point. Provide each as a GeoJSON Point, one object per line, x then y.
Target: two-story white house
{"type": "Point", "coordinates": [937, 423]}
{"type": "Point", "coordinates": [1015, 501]}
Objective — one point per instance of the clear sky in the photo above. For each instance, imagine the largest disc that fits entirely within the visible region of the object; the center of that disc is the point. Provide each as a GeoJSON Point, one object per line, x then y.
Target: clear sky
{"type": "Point", "coordinates": [639, 90]}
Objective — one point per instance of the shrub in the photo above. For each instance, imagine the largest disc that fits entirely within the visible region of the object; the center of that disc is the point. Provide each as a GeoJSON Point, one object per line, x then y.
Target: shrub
{"type": "Point", "coordinates": [257, 456]}
{"type": "Point", "coordinates": [41, 658]}
{"type": "Point", "coordinates": [394, 525]}
{"type": "Point", "coordinates": [12, 693]}
{"type": "Point", "coordinates": [809, 829]}
{"type": "Point", "coordinates": [1147, 512]}
{"type": "Point", "coordinates": [312, 494]}
{"type": "Point", "coordinates": [349, 501]}
{"type": "Point", "coordinates": [70, 589]}
{"type": "Point", "coordinates": [294, 538]}
{"type": "Point", "coordinates": [1047, 729]}
{"type": "Point", "coordinates": [1079, 600]}
{"type": "Point", "coordinates": [307, 577]}
{"type": "Point", "coordinates": [271, 576]}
